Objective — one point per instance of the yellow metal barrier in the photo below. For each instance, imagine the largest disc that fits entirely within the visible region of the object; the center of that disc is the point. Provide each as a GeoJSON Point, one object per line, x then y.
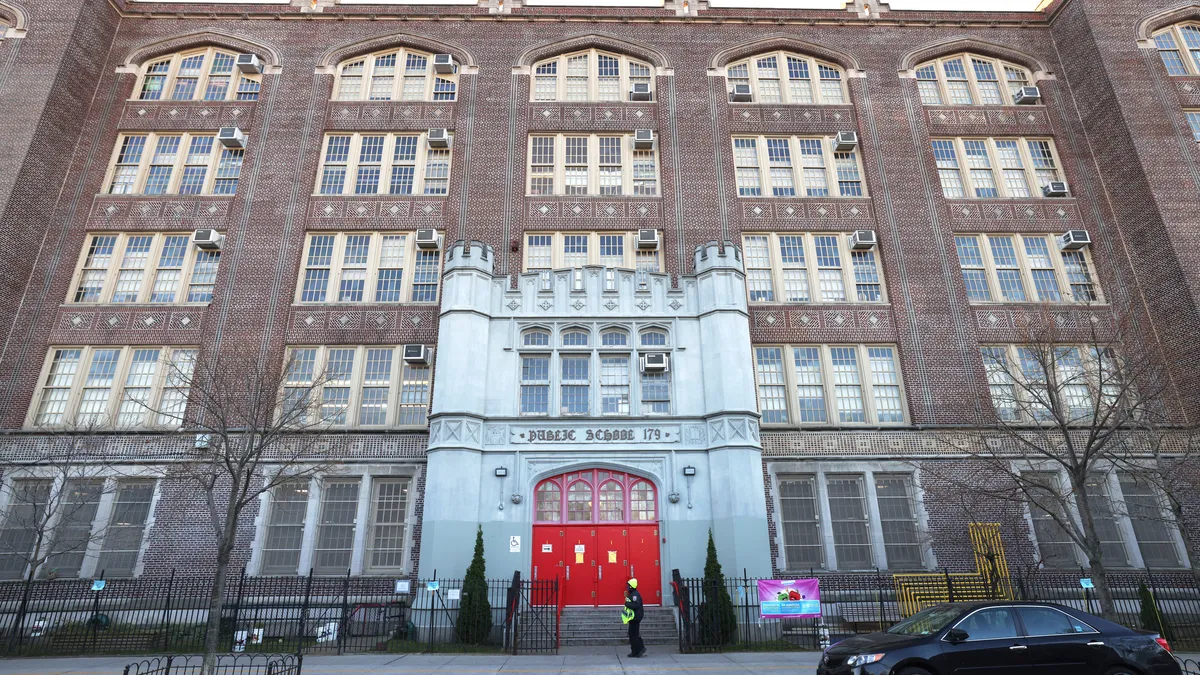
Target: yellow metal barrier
{"type": "Point", "coordinates": [989, 581]}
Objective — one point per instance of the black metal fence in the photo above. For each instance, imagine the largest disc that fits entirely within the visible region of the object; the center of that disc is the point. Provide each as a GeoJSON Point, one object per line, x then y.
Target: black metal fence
{"type": "Point", "coordinates": [290, 615]}
{"type": "Point", "coordinates": [1188, 666]}
{"type": "Point", "coordinates": [227, 664]}
{"type": "Point", "coordinates": [853, 604]}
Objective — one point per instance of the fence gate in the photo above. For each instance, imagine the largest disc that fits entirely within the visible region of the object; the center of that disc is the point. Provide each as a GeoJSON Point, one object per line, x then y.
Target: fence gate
{"type": "Point", "coordinates": [534, 609]}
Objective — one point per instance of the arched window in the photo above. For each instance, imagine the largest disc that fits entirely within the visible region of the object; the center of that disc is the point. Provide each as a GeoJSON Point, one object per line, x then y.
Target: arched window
{"type": "Point", "coordinates": [208, 74]}
{"type": "Point", "coordinates": [642, 504]}
{"type": "Point", "coordinates": [549, 503]}
{"type": "Point", "coordinates": [970, 79]}
{"type": "Point", "coordinates": [394, 75]}
{"type": "Point", "coordinates": [785, 77]}
{"type": "Point", "coordinates": [592, 75]}
{"type": "Point", "coordinates": [536, 338]}
{"type": "Point", "coordinates": [575, 338]}
{"type": "Point", "coordinates": [614, 338]}
{"type": "Point", "coordinates": [654, 338]}
{"type": "Point", "coordinates": [579, 502]}
{"type": "Point", "coordinates": [612, 502]}
{"type": "Point", "coordinates": [1169, 40]}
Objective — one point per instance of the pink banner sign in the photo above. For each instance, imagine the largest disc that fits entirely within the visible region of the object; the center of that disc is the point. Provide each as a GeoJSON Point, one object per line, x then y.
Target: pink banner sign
{"type": "Point", "coordinates": [789, 598]}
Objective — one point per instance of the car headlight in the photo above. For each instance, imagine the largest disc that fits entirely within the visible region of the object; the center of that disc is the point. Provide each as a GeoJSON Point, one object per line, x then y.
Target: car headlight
{"type": "Point", "coordinates": [863, 659]}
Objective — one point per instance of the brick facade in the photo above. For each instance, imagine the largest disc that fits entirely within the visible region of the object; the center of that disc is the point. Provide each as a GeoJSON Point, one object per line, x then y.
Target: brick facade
{"type": "Point", "coordinates": [1114, 113]}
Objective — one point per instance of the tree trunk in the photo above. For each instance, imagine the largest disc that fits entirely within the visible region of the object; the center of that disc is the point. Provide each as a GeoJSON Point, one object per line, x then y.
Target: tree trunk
{"type": "Point", "coordinates": [1093, 550]}
{"type": "Point", "coordinates": [216, 604]}
{"type": "Point", "coordinates": [19, 623]}
{"type": "Point", "coordinates": [1108, 608]}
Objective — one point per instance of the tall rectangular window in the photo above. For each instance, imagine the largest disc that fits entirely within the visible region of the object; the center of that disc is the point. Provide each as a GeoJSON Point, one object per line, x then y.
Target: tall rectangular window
{"type": "Point", "coordinates": [1055, 546]}
{"type": "Point", "coordinates": [144, 268]}
{"type": "Point", "coordinates": [1112, 544]}
{"type": "Point", "coordinates": [995, 167]}
{"type": "Point", "coordinates": [852, 384]}
{"type": "Point", "coordinates": [369, 267]}
{"type": "Point", "coordinates": [126, 527]}
{"type": "Point", "coordinates": [779, 267]}
{"type": "Point", "coordinates": [354, 163]}
{"type": "Point", "coordinates": [284, 534]}
{"type": "Point", "coordinates": [614, 385]}
{"type": "Point", "coordinates": [535, 385]}
{"type": "Point", "coordinates": [334, 544]}
{"type": "Point", "coordinates": [800, 518]}
{"type": "Point", "coordinates": [546, 251]}
{"type": "Point", "coordinates": [898, 520]}
{"type": "Point", "coordinates": [772, 389]}
{"type": "Point", "coordinates": [389, 521]}
{"type": "Point", "coordinates": [1151, 526]}
{"type": "Point", "coordinates": [74, 530]}
{"type": "Point", "coordinates": [820, 167]}
{"type": "Point", "coordinates": [357, 386]}
{"type": "Point", "coordinates": [851, 528]}
{"type": "Point", "coordinates": [597, 164]}
{"type": "Point", "coordinates": [25, 515]}
{"type": "Point", "coordinates": [176, 163]}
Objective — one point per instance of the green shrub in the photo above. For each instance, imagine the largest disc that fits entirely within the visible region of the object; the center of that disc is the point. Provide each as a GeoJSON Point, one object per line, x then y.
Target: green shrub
{"type": "Point", "coordinates": [474, 610]}
{"type": "Point", "coordinates": [1151, 618]}
{"type": "Point", "coordinates": [718, 621]}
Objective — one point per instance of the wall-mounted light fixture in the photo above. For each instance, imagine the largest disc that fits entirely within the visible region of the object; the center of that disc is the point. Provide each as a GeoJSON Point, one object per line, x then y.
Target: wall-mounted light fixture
{"type": "Point", "coordinates": [501, 472]}
{"type": "Point", "coordinates": [689, 471]}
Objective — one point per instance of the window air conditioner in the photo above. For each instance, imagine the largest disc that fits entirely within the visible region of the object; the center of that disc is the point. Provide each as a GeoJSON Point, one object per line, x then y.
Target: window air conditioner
{"type": "Point", "coordinates": [1028, 96]}
{"type": "Point", "coordinates": [439, 138]}
{"type": "Point", "coordinates": [209, 240]}
{"type": "Point", "coordinates": [657, 362]}
{"type": "Point", "coordinates": [741, 94]}
{"type": "Point", "coordinates": [862, 240]}
{"type": "Point", "coordinates": [248, 63]}
{"type": "Point", "coordinates": [647, 239]}
{"type": "Point", "coordinates": [416, 354]}
{"type": "Point", "coordinates": [640, 91]}
{"type": "Point", "coordinates": [1055, 188]}
{"type": "Point", "coordinates": [643, 139]}
{"type": "Point", "coordinates": [427, 239]}
{"type": "Point", "coordinates": [1073, 240]}
{"type": "Point", "coordinates": [443, 63]}
{"type": "Point", "coordinates": [231, 137]}
{"type": "Point", "coordinates": [845, 141]}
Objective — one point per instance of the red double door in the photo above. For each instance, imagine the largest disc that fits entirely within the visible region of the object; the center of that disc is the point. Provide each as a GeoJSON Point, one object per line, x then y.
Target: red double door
{"type": "Point", "coordinates": [603, 531]}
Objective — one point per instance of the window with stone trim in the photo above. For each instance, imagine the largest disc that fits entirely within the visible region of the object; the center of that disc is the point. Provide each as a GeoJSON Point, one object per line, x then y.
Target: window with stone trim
{"type": "Point", "coordinates": [546, 251]}
{"type": "Point", "coordinates": [596, 164]}
{"type": "Point", "coordinates": [317, 523]}
{"type": "Point", "coordinates": [1021, 379]}
{"type": "Point", "coordinates": [849, 521]}
{"type": "Point", "coordinates": [357, 386]}
{"type": "Point", "coordinates": [208, 74]}
{"type": "Point", "coordinates": [1179, 48]}
{"type": "Point", "coordinates": [1153, 526]}
{"type": "Point", "coordinates": [996, 168]}
{"type": "Point", "coordinates": [840, 385]}
{"type": "Point", "coordinates": [96, 526]}
{"type": "Point", "coordinates": [578, 375]}
{"type": "Point", "coordinates": [1193, 120]}
{"type": "Point", "coordinates": [795, 166]}
{"type": "Point", "coordinates": [144, 267]}
{"type": "Point", "coordinates": [113, 387]}
{"type": "Point", "coordinates": [810, 267]}
{"type": "Point", "coordinates": [367, 267]}
{"type": "Point", "coordinates": [1025, 268]}
{"type": "Point", "coordinates": [790, 78]}
{"type": "Point", "coordinates": [173, 164]}
{"type": "Point", "coordinates": [970, 79]}
{"type": "Point", "coordinates": [394, 75]}
{"type": "Point", "coordinates": [401, 163]}
{"type": "Point", "coordinates": [589, 75]}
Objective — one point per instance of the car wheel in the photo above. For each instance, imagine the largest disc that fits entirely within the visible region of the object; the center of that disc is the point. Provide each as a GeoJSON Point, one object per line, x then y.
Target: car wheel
{"type": "Point", "coordinates": [913, 670]}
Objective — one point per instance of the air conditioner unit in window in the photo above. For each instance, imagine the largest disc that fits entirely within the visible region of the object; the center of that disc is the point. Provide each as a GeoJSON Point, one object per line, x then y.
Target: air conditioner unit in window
{"type": "Point", "coordinates": [741, 94]}
{"type": "Point", "coordinates": [248, 63]}
{"type": "Point", "coordinates": [1056, 188]}
{"type": "Point", "coordinates": [1073, 240]}
{"type": "Point", "coordinates": [643, 139]}
{"type": "Point", "coordinates": [443, 63]}
{"type": "Point", "coordinates": [647, 239]}
{"type": "Point", "coordinates": [439, 138]}
{"type": "Point", "coordinates": [1028, 96]}
{"type": "Point", "coordinates": [416, 354]}
{"type": "Point", "coordinates": [657, 362]}
{"type": "Point", "coordinates": [231, 137]}
{"type": "Point", "coordinates": [845, 141]}
{"type": "Point", "coordinates": [862, 240]}
{"type": "Point", "coordinates": [640, 91]}
{"type": "Point", "coordinates": [209, 240]}
{"type": "Point", "coordinates": [427, 239]}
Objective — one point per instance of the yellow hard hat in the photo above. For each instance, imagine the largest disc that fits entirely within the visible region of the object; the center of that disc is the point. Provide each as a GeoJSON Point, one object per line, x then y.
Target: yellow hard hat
{"type": "Point", "coordinates": [633, 583]}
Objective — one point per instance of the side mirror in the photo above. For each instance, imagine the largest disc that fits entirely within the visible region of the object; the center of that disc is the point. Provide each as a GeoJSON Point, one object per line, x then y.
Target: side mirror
{"type": "Point", "coordinates": [956, 635]}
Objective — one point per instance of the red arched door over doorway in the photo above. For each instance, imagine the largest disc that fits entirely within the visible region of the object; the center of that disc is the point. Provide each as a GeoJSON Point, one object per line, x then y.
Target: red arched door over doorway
{"type": "Point", "coordinates": [594, 529]}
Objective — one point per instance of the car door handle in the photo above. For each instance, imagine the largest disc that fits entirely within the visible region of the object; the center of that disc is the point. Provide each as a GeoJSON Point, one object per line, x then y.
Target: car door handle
{"type": "Point", "coordinates": [1018, 647]}
{"type": "Point", "coordinates": [1095, 644]}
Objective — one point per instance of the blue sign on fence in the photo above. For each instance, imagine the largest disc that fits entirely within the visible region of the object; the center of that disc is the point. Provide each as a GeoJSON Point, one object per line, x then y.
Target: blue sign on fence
{"type": "Point", "coordinates": [1086, 583]}
{"type": "Point", "coordinates": [98, 584]}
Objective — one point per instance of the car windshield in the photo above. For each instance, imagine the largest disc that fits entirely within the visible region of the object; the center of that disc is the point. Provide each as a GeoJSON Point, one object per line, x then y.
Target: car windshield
{"type": "Point", "coordinates": [927, 621]}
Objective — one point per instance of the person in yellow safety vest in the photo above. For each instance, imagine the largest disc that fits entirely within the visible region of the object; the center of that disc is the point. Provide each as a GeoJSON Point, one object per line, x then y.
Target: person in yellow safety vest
{"type": "Point", "coordinates": [633, 603]}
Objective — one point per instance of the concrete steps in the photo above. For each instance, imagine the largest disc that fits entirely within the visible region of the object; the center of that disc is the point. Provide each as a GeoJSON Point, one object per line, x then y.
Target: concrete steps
{"type": "Point", "coordinates": [588, 626]}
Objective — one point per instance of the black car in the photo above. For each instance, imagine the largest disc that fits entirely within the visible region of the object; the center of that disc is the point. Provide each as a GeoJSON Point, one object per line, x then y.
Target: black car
{"type": "Point", "coordinates": [999, 638]}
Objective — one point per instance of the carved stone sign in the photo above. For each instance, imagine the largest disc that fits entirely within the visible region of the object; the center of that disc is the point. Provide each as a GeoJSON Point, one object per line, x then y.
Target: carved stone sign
{"type": "Point", "coordinates": [607, 434]}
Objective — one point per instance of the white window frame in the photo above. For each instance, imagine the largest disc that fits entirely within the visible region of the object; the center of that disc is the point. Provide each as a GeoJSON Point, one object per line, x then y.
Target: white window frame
{"type": "Point", "coordinates": [783, 471]}
{"type": "Point", "coordinates": [212, 166]}
{"type": "Point", "coordinates": [424, 157]}
{"type": "Point", "coordinates": [397, 90]}
{"type": "Point", "coordinates": [372, 268]}
{"type": "Point", "coordinates": [1111, 476]}
{"type": "Point", "coordinates": [593, 77]}
{"type": "Point", "coordinates": [814, 79]}
{"type": "Point", "coordinates": [1005, 83]}
{"type": "Point", "coordinates": [633, 257]}
{"type": "Point", "coordinates": [865, 382]}
{"type": "Point", "coordinates": [811, 269]}
{"type": "Point", "coordinates": [1192, 116]}
{"type": "Point", "coordinates": [593, 166]}
{"type": "Point", "coordinates": [1026, 271]}
{"type": "Point", "coordinates": [153, 407]}
{"type": "Point", "coordinates": [146, 289]}
{"type": "Point", "coordinates": [595, 351]}
{"type": "Point", "coordinates": [1188, 54]}
{"type": "Point", "coordinates": [1000, 377]}
{"type": "Point", "coordinates": [798, 181]}
{"type": "Point", "coordinates": [100, 521]}
{"type": "Point", "coordinates": [173, 62]}
{"type": "Point", "coordinates": [996, 168]}
{"type": "Point", "coordinates": [355, 384]}
{"type": "Point", "coordinates": [367, 476]}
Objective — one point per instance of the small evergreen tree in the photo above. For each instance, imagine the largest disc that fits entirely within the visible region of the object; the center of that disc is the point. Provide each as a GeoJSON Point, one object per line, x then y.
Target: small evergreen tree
{"type": "Point", "coordinates": [718, 621]}
{"type": "Point", "coordinates": [1150, 617]}
{"type": "Point", "coordinates": [474, 610]}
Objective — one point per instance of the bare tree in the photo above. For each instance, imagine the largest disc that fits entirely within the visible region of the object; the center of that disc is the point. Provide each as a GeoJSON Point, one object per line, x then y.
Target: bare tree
{"type": "Point", "coordinates": [51, 491]}
{"type": "Point", "coordinates": [257, 427]}
{"type": "Point", "coordinates": [1067, 410]}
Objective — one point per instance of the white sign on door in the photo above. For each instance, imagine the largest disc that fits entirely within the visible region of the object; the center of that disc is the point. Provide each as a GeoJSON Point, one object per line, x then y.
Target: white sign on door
{"type": "Point", "coordinates": [547, 548]}
{"type": "Point", "coordinates": [514, 544]}
{"type": "Point", "coordinates": [580, 548]}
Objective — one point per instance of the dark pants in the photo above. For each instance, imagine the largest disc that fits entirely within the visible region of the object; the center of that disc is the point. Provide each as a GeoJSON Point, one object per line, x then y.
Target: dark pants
{"type": "Point", "coordinates": [636, 646]}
